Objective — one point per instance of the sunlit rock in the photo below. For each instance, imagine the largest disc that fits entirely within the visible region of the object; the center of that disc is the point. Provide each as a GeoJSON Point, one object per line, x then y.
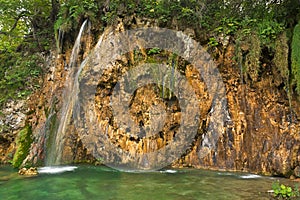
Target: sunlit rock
{"type": "Point", "coordinates": [32, 171]}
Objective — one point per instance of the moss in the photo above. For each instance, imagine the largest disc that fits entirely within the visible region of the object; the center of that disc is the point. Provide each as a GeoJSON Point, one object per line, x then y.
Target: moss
{"type": "Point", "coordinates": [51, 126]}
{"type": "Point", "coordinates": [296, 57]}
{"type": "Point", "coordinates": [252, 62]}
{"type": "Point", "coordinates": [238, 54]}
{"type": "Point", "coordinates": [23, 142]}
{"type": "Point", "coordinates": [281, 56]}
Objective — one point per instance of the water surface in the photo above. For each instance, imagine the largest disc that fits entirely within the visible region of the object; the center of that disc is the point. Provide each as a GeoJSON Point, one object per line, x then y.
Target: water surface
{"type": "Point", "coordinates": [98, 182]}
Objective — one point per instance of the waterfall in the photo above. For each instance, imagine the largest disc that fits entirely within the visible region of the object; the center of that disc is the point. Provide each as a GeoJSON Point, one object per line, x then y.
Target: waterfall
{"type": "Point", "coordinates": [59, 40]}
{"type": "Point", "coordinates": [54, 151]}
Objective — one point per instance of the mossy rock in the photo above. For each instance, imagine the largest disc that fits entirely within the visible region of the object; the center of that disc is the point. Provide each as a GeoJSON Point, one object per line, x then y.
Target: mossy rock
{"type": "Point", "coordinates": [23, 143]}
{"type": "Point", "coordinates": [295, 57]}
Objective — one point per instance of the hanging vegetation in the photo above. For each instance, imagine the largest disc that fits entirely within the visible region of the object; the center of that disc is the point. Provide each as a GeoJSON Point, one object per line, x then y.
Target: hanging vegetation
{"type": "Point", "coordinates": [252, 63]}
{"type": "Point", "coordinates": [296, 57]}
{"type": "Point", "coordinates": [281, 57]}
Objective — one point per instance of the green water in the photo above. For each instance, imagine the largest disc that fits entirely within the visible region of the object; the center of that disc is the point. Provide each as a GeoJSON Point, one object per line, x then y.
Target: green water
{"type": "Point", "coordinates": [90, 182]}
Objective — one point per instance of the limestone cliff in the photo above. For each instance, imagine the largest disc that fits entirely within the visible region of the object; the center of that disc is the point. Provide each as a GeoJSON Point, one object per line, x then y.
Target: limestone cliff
{"type": "Point", "coordinates": [261, 134]}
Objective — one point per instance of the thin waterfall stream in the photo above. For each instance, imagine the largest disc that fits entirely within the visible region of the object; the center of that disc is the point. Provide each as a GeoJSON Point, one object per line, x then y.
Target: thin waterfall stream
{"type": "Point", "coordinates": [54, 152]}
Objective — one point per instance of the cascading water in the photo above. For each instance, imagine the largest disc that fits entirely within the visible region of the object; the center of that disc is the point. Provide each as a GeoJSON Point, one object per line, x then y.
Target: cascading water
{"type": "Point", "coordinates": [59, 40]}
{"type": "Point", "coordinates": [55, 148]}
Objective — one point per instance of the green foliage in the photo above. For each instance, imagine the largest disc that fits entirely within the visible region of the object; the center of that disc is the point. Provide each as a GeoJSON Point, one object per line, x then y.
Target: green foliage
{"type": "Point", "coordinates": [18, 75]}
{"type": "Point", "coordinates": [296, 57]}
{"type": "Point", "coordinates": [164, 11]}
{"type": "Point", "coordinates": [228, 26]}
{"type": "Point", "coordinates": [20, 18]}
{"type": "Point", "coordinates": [213, 42]}
{"type": "Point", "coordinates": [284, 192]}
{"type": "Point", "coordinates": [247, 18]}
{"type": "Point", "coordinates": [268, 30]}
{"type": "Point", "coordinates": [25, 32]}
{"type": "Point", "coordinates": [23, 143]}
{"type": "Point", "coordinates": [154, 50]}
{"type": "Point", "coordinates": [12, 24]}
{"type": "Point", "coordinates": [73, 11]}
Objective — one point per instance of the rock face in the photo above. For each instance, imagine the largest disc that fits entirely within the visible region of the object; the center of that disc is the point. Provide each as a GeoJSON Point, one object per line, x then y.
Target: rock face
{"type": "Point", "coordinates": [12, 121]}
{"type": "Point", "coordinates": [297, 171]}
{"type": "Point", "coordinates": [263, 136]}
{"type": "Point", "coordinates": [260, 133]}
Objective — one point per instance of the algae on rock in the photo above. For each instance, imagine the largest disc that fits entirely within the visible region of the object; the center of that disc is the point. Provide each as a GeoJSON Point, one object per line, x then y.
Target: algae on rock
{"type": "Point", "coordinates": [23, 143]}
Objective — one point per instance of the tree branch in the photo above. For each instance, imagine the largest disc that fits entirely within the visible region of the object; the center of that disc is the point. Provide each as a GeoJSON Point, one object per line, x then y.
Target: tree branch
{"type": "Point", "coordinates": [22, 14]}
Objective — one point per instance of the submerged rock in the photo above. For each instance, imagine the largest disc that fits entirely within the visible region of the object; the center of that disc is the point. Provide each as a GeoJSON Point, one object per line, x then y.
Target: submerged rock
{"type": "Point", "coordinates": [32, 171]}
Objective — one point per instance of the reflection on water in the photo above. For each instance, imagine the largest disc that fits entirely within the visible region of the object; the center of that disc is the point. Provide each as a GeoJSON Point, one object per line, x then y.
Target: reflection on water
{"type": "Point", "coordinates": [90, 182]}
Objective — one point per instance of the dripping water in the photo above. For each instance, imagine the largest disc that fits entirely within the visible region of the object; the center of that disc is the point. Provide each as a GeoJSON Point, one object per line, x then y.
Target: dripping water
{"type": "Point", "coordinates": [172, 79]}
{"type": "Point", "coordinates": [60, 40]}
{"type": "Point", "coordinates": [76, 48]}
{"type": "Point", "coordinates": [76, 106]}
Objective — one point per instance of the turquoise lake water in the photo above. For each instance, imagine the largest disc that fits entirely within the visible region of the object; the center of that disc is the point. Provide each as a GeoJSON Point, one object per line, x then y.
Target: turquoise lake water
{"type": "Point", "coordinates": [98, 182]}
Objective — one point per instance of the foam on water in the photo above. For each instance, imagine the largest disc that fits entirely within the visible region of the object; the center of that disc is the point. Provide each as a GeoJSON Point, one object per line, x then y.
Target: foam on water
{"type": "Point", "coordinates": [56, 169]}
{"type": "Point", "coordinates": [169, 171]}
{"type": "Point", "coordinates": [250, 176]}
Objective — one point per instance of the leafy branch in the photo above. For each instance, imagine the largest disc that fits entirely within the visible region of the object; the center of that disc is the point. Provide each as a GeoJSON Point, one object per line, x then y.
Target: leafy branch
{"type": "Point", "coordinates": [20, 16]}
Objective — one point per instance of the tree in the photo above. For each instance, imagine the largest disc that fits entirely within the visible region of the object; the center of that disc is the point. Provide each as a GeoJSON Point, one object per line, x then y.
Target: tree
{"type": "Point", "coordinates": [21, 18]}
{"type": "Point", "coordinates": [24, 32]}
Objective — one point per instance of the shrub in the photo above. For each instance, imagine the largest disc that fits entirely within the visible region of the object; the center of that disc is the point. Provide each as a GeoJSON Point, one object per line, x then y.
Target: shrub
{"type": "Point", "coordinates": [282, 191]}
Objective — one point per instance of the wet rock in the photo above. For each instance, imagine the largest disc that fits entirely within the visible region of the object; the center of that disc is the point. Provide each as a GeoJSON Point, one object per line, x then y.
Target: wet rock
{"type": "Point", "coordinates": [32, 171]}
{"type": "Point", "coordinates": [297, 171]}
{"type": "Point", "coordinates": [292, 177]}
